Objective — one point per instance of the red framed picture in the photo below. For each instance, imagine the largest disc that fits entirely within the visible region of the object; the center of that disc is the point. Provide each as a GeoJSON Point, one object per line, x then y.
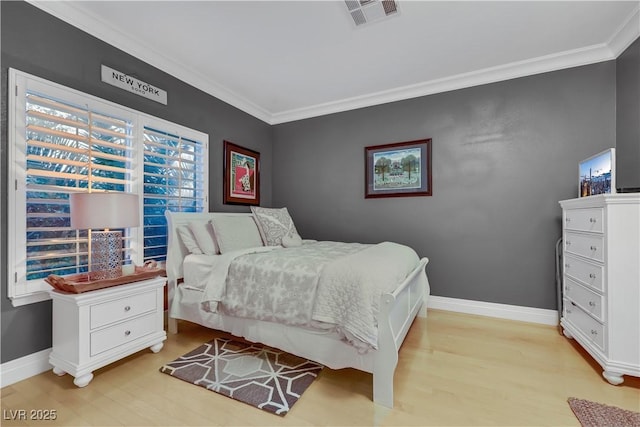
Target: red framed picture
{"type": "Point", "coordinates": [241, 175]}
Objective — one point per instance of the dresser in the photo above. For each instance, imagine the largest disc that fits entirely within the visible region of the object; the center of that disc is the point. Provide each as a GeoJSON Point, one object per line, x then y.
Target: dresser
{"type": "Point", "coordinates": [601, 280]}
{"type": "Point", "coordinates": [94, 329]}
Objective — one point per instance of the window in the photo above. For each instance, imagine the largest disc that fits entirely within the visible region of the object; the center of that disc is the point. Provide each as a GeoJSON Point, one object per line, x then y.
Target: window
{"type": "Point", "coordinates": [173, 180]}
{"type": "Point", "coordinates": [63, 141]}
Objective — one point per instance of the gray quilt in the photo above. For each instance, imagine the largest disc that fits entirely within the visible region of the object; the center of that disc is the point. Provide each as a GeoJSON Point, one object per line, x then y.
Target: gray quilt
{"type": "Point", "coordinates": [327, 285]}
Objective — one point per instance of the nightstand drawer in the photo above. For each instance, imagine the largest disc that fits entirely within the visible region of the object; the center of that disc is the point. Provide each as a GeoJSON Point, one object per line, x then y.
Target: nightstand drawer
{"type": "Point", "coordinates": [584, 219]}
{"type": "Point", "coordinates": [116, 335]}
{"type": "Point", "coordinates": [588, 300]}
{"type": "Point", "coordinates": [589, 326]}
{"type": "Point", "coordinates": [121, 309]}
{"type": "Point", "coordinates": [588, 246]}
{"type": "Point", "coordinates": [584, 271]}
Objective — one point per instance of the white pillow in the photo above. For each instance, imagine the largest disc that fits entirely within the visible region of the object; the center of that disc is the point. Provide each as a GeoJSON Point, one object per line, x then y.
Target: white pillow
{"type": "Point", "coordinates": [273, 224]}
{"type": "Point", "coordinates": [205, 237]}
{"type": "Point", "coordinates": [291, 241]}
{"type": "Point", "coordinates": [234, 232]}
{"type": "Point", "coordinates": [188, 239]}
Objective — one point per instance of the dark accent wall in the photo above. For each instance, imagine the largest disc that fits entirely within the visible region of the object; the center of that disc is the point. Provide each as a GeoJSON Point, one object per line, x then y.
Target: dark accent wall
{"type": "Point", "coordinates": [40, 44]}
{"type": "Point", "coordinates": [504, 154]}
{"type": "Point", "coordinates": [628, 119]}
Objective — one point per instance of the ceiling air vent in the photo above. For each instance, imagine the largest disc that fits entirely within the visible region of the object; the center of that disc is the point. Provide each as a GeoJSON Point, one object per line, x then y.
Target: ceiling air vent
{"type": "Point", "coordinates": [366, 11]}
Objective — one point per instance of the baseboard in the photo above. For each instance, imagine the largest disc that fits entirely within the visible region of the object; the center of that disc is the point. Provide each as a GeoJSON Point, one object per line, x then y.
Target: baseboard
{"type": "Point", "coordinates": [490, 309]}
{"type": "Point", "coordinates": [24, 367]}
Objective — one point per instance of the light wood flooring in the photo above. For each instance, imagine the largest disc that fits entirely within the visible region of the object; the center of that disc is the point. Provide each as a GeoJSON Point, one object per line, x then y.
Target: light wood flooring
{"type": "Point", "coordinates": [454, 369]}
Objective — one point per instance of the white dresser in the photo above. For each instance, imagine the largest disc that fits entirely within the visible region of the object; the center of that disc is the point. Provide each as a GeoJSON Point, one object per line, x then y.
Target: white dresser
{"type": "Point", "coordinates": [93, 329]}
{"type": "Point", "coordinates": [601, 282]}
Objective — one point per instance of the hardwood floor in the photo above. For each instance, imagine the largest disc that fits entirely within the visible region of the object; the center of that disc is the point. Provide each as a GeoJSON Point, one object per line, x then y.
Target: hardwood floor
{"type": "Point", "coordinates": [454, 369]}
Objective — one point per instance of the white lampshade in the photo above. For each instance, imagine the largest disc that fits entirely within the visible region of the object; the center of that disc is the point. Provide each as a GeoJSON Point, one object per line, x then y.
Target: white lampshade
{"type": "Point", "coordinates": [104, 210]}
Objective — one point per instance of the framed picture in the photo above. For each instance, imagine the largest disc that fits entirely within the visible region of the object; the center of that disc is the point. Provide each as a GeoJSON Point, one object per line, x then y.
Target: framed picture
{"type": "Point", "coordinates": [241, 175]}
{"type": "Point", "coordinates": [597, 174]}
{"type": "Point", "coordinates": [402, 169]}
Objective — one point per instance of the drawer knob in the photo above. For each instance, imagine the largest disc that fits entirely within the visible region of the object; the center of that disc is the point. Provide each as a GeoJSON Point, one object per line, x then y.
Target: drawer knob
{"type": "Point", "coordinates": [592, 304]}
{"type": "Point", "coordinates": [127, 333]}
{"type": "Point", "coordinates": [593, 248]}
{"type": "Point", "coordinates": [591, 275]}
{"type": "Point", "coordinates": [594, 332]}
{"type": "Point", "coordinates": [127, 308]}
{"type": "Point", "coordinates": [592, 220]}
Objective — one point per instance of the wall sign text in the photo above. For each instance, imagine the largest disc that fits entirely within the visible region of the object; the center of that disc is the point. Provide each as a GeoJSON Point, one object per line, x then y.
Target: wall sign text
{"type": "Point", "coordinates": [133, 85]}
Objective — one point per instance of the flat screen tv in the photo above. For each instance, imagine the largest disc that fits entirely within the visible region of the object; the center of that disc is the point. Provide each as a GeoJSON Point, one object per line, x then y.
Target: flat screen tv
{"type": "Point", "coordinates": [597, 174]}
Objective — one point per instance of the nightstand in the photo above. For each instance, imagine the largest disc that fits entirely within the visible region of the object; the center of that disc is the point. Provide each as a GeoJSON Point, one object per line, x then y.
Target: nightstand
{"type": "Point", "coordinates": [94, 329]}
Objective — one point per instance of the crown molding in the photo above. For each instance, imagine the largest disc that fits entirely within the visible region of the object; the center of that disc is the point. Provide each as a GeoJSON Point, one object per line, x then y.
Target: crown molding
{"type": "Point", "coordinates": [568, 59]}
{"type": "Point", "coordinates": [99, 28]}
{"type": "Point", "coordinates": [628, 32]}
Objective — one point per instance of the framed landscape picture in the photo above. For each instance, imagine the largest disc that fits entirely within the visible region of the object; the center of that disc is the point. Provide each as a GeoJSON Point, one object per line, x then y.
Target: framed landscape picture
{"type": "Point", "coordinates": [402, 169]}
{"type": "Point", "coordinates": [241, 175]}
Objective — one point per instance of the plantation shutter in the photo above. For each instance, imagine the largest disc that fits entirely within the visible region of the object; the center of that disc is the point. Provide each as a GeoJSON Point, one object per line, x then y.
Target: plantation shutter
{"type": "Point", "coordinates": [62, 141]}
{"type": "Point", "coordinates": [69, 148]}
{"type": "Point", "coordinates": [174, 179]}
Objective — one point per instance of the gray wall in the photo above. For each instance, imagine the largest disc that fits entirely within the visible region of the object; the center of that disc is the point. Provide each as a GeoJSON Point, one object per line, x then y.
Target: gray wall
{"type": "Point", "coordinates": [56, 51]}
{"type": "Point", "coordinates": [504, 154]}
{"type": "Point", "coordinates": [628, 118]}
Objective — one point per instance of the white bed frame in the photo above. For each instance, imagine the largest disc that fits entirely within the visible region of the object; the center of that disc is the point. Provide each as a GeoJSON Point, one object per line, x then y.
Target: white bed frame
{"type": "Point", "coordinates": [397, 311]}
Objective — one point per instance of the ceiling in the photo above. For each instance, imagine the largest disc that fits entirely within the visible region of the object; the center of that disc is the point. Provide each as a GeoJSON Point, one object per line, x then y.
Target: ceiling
{"type": "Point", "coordinates": [288, 60]}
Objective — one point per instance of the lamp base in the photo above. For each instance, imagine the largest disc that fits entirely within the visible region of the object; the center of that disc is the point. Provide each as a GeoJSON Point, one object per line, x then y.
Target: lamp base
{"type": "Point", "coordinates": [106, 254]}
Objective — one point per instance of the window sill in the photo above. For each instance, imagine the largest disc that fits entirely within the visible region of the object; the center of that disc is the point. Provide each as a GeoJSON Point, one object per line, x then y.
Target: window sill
{"type": "Point", "coordinates": [18, 301]}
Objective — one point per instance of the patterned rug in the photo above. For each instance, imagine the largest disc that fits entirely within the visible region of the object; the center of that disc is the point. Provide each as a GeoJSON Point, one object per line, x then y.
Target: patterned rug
{"type": "Point", "coordinates": [592, 414]}
{"type": "Point", "coordinates": [261, 376]}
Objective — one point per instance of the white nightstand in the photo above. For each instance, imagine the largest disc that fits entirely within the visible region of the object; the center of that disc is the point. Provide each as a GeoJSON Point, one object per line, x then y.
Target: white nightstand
{"type": "Point", "coordinates": [93, 329]}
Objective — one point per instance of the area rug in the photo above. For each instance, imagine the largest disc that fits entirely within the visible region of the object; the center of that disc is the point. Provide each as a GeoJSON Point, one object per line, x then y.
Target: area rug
{"type": "Point", "coordinates": [592, 414]}
{"type": "Point", "coordinates": [261, 376]}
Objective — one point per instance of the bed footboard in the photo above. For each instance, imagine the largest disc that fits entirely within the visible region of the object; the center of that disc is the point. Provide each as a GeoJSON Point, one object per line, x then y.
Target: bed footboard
{"type": "Point", "coordinates": [397, 311]}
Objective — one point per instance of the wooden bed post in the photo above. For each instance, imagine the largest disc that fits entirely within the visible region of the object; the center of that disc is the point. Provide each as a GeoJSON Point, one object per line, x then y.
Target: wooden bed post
{"type": "Point", "coordinates": [172, 322]}
{"type": "Point", "coordinates": [386, 359]}
{"type": "Point", "coordinates": [397, 312]}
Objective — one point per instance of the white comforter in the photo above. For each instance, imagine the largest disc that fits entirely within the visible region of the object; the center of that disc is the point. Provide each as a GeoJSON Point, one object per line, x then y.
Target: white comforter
{"type": "Point", "coordinates": [327, 285]}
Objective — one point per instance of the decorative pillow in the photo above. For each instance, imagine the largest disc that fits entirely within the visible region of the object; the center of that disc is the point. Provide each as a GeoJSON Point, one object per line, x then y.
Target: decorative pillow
{"type": "Point", "coordinates": [234, 232]}
{"type": "Point", "coordinates": [203, 233]}
{"type": "Point", "coordinates": [189, 241]}
{"type": "Point", "coordinates": [273, 224]}
{"type": "Point", "coordinates": [291, 241]}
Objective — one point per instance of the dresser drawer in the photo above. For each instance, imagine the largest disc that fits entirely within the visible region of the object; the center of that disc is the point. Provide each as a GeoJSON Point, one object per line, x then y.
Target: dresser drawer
{"type": "Point", "coordinates": [584, 219]}
{"type": "Point", "coordinates": [122, 333]}
{"type": "Point", "coordinates": [583, 271]}
{"type": "Point", "coordinates": [590, 327]}
{"type": "Point", "coordinates": [586, 245]}
{"type": "Point", "coordinates": [121, 309]}
{"type": "Point", "coordinates": [588, 300]}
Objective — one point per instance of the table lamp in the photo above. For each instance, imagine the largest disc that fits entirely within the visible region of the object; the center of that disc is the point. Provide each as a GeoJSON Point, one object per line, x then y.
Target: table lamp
{"type": "Point", "coordinates": [104, 210]}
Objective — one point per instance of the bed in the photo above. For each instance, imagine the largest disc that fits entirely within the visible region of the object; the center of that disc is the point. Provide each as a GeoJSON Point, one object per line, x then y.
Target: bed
{"type": "Point", "coordinates": [394, 312]}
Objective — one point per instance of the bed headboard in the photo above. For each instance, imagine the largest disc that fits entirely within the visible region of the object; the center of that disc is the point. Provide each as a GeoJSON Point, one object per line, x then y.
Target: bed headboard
{"type": "Point", "coordinates": [176, 251]}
